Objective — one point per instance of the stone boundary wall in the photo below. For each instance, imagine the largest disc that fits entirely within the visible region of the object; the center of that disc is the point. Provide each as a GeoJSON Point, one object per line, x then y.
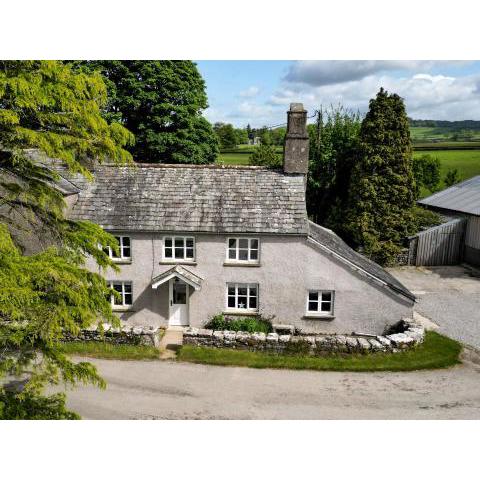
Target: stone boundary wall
{"type": "Point", "coordinates": [406, 334]}
{"type": "Point", "coordinates": [126, 335]}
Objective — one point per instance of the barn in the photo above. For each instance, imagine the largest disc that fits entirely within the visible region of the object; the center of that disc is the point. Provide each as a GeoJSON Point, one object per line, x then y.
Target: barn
{"type": "Point", "coordinates": [458, 239]}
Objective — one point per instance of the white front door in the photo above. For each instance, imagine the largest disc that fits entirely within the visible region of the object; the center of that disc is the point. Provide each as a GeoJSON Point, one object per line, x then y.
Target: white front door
{"type": "Point", "coordinates": [179, 294]}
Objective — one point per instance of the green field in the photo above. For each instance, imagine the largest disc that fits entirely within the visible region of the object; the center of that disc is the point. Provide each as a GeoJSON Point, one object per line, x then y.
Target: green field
{"type": "Point", "coordinates": [443, 134]}
{"type": "Point", "coordinates": [467, 162]}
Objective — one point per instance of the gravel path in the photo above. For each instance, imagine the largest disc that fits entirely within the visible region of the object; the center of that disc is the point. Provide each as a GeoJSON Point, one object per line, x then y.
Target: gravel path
{"type": "Point", "coordinates": [448, 296]}
{"type": "Point", "coordinates": [170, 390]}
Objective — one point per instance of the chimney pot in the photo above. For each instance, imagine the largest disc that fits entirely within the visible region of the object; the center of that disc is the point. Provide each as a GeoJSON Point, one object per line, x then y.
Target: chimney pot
{"type": "Point", "coordinates": [295, 152]}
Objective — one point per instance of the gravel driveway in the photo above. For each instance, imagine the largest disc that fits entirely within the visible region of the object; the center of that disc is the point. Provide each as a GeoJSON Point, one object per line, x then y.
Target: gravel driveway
{"type": "Point", "coordinates": [448, 296]}
{"type": "Point", "coordinates": [170, 390]}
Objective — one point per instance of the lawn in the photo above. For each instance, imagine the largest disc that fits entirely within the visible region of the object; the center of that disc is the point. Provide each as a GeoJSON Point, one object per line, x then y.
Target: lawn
{"type": "Point", "coordinates": [111, 351]}
{"type": "Point", "coordinates": [239, 155]}
{"type": "Point", "coordinates": [437, 351]}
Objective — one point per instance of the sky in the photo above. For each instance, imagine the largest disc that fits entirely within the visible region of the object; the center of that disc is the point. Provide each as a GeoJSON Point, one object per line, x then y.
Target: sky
{"type": "Point", "coordinates": [259, 92]}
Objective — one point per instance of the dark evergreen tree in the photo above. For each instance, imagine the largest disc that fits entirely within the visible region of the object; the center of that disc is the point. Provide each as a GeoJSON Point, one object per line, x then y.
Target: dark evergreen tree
{"type": "Point", "coordinates": [380, 214]}
{"type": "Point", "coordinates": [161, 103]}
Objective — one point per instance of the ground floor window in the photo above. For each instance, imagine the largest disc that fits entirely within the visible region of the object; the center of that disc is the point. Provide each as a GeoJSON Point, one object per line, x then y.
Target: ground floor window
{"type": "Point", "coordinates": [242, 296]}
{"type": "Point", "coordinates": [320, 302]}
{"type": "Point", "coordinates": [125, 291]}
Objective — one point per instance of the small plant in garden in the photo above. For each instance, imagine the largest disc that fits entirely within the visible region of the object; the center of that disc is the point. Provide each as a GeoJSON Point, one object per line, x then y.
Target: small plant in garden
{"type": "Point", "coordinates": [242, 324]}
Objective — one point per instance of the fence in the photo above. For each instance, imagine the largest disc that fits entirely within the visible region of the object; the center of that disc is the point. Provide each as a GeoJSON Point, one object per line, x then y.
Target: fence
{"type": "Point", "coordinates": [440, 245]}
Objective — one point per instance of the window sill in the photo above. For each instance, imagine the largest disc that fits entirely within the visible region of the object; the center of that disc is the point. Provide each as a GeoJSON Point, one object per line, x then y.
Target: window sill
{"type": "Point", "coordinates": [241, 264]}
{"type": "Point", "coordinates": [121, 261]}
{"type": "Point", "coordinates": [177, 262]}
{"type": "Point", "coordinates": [243, 313]}
{"type": "Point", "coordinates": [119, 308]}
{"type": "Point", "coordinates": [312, 316]}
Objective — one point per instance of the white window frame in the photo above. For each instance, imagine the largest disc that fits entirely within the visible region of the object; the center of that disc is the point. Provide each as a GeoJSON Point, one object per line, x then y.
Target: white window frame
{"type": "Point", "coordinates": [185, 258]}
{"type": "Point", "coordinates": [123, 305]}
{"type": "Point", "coordinates": [237, 286]}
{"type": "Point", "coordinates": [318, 312]}
{"type": "Point", "coordinates": [237, 250]}
{"type": "Point", "coordinates": [122, 248]}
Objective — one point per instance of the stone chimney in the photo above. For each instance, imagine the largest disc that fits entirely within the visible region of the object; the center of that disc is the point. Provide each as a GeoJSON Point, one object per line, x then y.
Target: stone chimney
{"type": "Point", "coordinates": [295, 151]}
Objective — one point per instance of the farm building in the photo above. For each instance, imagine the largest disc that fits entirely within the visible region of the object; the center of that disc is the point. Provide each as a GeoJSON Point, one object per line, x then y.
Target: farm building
{"type": "Point", "coordinates": [458, 239]}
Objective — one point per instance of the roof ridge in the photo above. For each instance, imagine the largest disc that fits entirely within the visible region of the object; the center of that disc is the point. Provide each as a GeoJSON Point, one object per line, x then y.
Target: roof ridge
{"type": "Point", "coordinates": [189, 165]}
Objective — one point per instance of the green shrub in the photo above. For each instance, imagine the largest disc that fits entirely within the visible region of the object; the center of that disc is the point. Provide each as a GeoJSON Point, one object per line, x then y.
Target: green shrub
{"type": "Point", "coordinates": [29, 406]}
{"type": "Point", "coordinates": [242, 324]}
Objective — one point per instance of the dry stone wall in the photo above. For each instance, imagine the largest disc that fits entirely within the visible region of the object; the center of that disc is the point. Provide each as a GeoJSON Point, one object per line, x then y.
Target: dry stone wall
{"type": "Point", "coordinates": [407, 334]}
{"type": "Point", "coordinates": [126, 335]}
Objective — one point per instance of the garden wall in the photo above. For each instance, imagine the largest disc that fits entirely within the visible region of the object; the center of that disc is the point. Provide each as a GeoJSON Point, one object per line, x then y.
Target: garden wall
{"type": "Point", "coordinates": [405, 335]}
{"type": "Point", "coordinates": [119, 336]}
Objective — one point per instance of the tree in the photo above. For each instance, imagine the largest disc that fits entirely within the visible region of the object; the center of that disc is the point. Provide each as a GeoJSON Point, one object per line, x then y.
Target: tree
{"type": "Point", "coordinates": [426, 171]}
{"type": "Point", "coordinates": [380, 212]}
{"type": "Point", "coordinates": [226, 135]}
{"type": "Point", "coordinates": [333, 148]}
{"type": "Point", "coordinates": [266, 156]}
{"type": "Point", "coordinates": [242, 136]}
{"type": "Point", "coordinates": [451, 178]}
{"type": "Point", "coordinates": [161, 103]}
{"type": "Point", "coordinates": [278, 135]}
{"type": "Point", "coordinates": [43, 296]}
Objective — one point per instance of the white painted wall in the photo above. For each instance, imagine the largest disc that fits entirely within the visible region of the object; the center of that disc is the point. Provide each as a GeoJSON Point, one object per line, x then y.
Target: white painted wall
{"type": "Point", "coordinates": [289, 267]}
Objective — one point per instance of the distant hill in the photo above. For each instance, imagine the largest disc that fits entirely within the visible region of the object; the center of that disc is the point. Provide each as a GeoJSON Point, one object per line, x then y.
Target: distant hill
{"type": "Point", "coordinates": [452, 125]}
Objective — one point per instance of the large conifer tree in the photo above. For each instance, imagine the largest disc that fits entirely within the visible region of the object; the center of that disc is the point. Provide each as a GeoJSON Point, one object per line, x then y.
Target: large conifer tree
{"type": "Point", "coordinates": [161, 103]}
{"type": "Point", "coordinates": [46, 107]}
{"type": "Point", "coordinates": [380, 212]}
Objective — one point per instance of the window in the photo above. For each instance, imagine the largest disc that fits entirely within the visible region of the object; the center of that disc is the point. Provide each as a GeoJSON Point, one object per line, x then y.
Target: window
{"type": "Point", "coordinates": [242, 250]}
{"type": "Point", "coordinates": [242, 296]}
{"type": "Point", "coordinates": [125, 291]}
{"type": "Point", "coordinates": [179, 248]}
{"type": "Point", "coordinates": [320, 302]}
{"type": "Point", "coordinates": [125, 252]}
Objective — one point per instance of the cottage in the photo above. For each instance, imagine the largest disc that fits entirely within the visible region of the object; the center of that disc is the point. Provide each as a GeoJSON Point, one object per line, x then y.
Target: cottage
{"type": "Point", "coordinates": [196, 241]}
{"type": "Point", "coordinates": [458, 239]}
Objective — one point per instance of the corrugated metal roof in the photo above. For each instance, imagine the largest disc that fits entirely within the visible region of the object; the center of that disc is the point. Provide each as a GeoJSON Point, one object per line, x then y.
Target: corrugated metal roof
{"type": "Point", "coordinates": [463, 197]}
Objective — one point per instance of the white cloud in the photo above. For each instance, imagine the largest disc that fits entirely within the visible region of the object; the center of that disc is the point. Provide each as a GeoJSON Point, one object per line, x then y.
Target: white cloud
{"type": "Point", "coordinates": [429, 96]}
{"type": "Point", "coordinates": [327, 72]}
{"type": "Point", "coordinates": [250, 92]}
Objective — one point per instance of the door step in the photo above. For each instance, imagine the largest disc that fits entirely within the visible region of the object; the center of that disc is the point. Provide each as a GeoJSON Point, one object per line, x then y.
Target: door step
{"type": "Point", "coordinates": [171, 342]}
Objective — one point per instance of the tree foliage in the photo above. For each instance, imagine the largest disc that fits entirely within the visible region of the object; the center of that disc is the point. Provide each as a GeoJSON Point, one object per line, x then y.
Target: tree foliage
{"type": "Point", "coordinates": [451, 177]}
{"type": "Point", "coordinates": [380, 212]}
{"type": "Point", "coordinates": [161, 102]}
{"type": "Point", "coordinates": [227, 137]}
{"type": "Point", "coordinates": [426, 170]}
{"type": "Point", "coordinates": [46, 107]}
{"type": "Point", "coordinates": [265, 155]}
{"type": "Point", "coordinates": [333, 149]}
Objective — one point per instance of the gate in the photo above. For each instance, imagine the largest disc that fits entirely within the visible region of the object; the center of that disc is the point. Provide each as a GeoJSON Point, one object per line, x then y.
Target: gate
{"type": "Point", "coordinates": [440, 245]}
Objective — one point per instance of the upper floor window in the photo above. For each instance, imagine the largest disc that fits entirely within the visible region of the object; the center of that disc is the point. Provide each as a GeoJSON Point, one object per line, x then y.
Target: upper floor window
{"type": "Point", "coordinates": [124, 253]}
{"type": "Point", "coordinates": [179, 248]}
{"type": "Point", "coordinates": [242, 296]}
{"type": "Point", "coordinates": [320, 302]}
{"type": "Point", "coordinates": [242, 249]}
{"type": "Point", "coordinates": [125, 291]}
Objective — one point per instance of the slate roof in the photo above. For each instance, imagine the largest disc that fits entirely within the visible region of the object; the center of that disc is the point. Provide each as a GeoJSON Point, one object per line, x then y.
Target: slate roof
{"type": "Point", "coordinates": [463, 197]}
{"type": "Point", "coordinates": [180, 271]}
{"type": "Point", "coordinates": [333, 242]}
{"type": "Point", "coordinates": [187, 198]}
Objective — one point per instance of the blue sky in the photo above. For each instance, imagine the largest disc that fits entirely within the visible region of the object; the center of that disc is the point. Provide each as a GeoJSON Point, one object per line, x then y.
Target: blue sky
{"type": "Point", "coordinates": [259, 92]}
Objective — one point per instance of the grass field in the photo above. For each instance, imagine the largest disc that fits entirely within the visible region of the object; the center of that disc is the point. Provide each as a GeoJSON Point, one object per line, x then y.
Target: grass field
{"type": "Point", "coordinates": [436, 351]}
{"type": "Point", "coordinates": [467, 162]}
{"type": "Point", "coordinates": [437, 134]}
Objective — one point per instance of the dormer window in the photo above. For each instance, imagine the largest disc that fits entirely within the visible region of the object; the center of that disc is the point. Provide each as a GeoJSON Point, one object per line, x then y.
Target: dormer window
{"type": "Point", "coordinates": [242, 250]}
{"type": "Point", "coordinates": [125, 251]}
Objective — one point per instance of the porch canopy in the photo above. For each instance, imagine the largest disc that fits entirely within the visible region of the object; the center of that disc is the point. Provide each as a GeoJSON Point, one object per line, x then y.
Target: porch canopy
{"type": "Point", "coordinates": [180, 272]}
